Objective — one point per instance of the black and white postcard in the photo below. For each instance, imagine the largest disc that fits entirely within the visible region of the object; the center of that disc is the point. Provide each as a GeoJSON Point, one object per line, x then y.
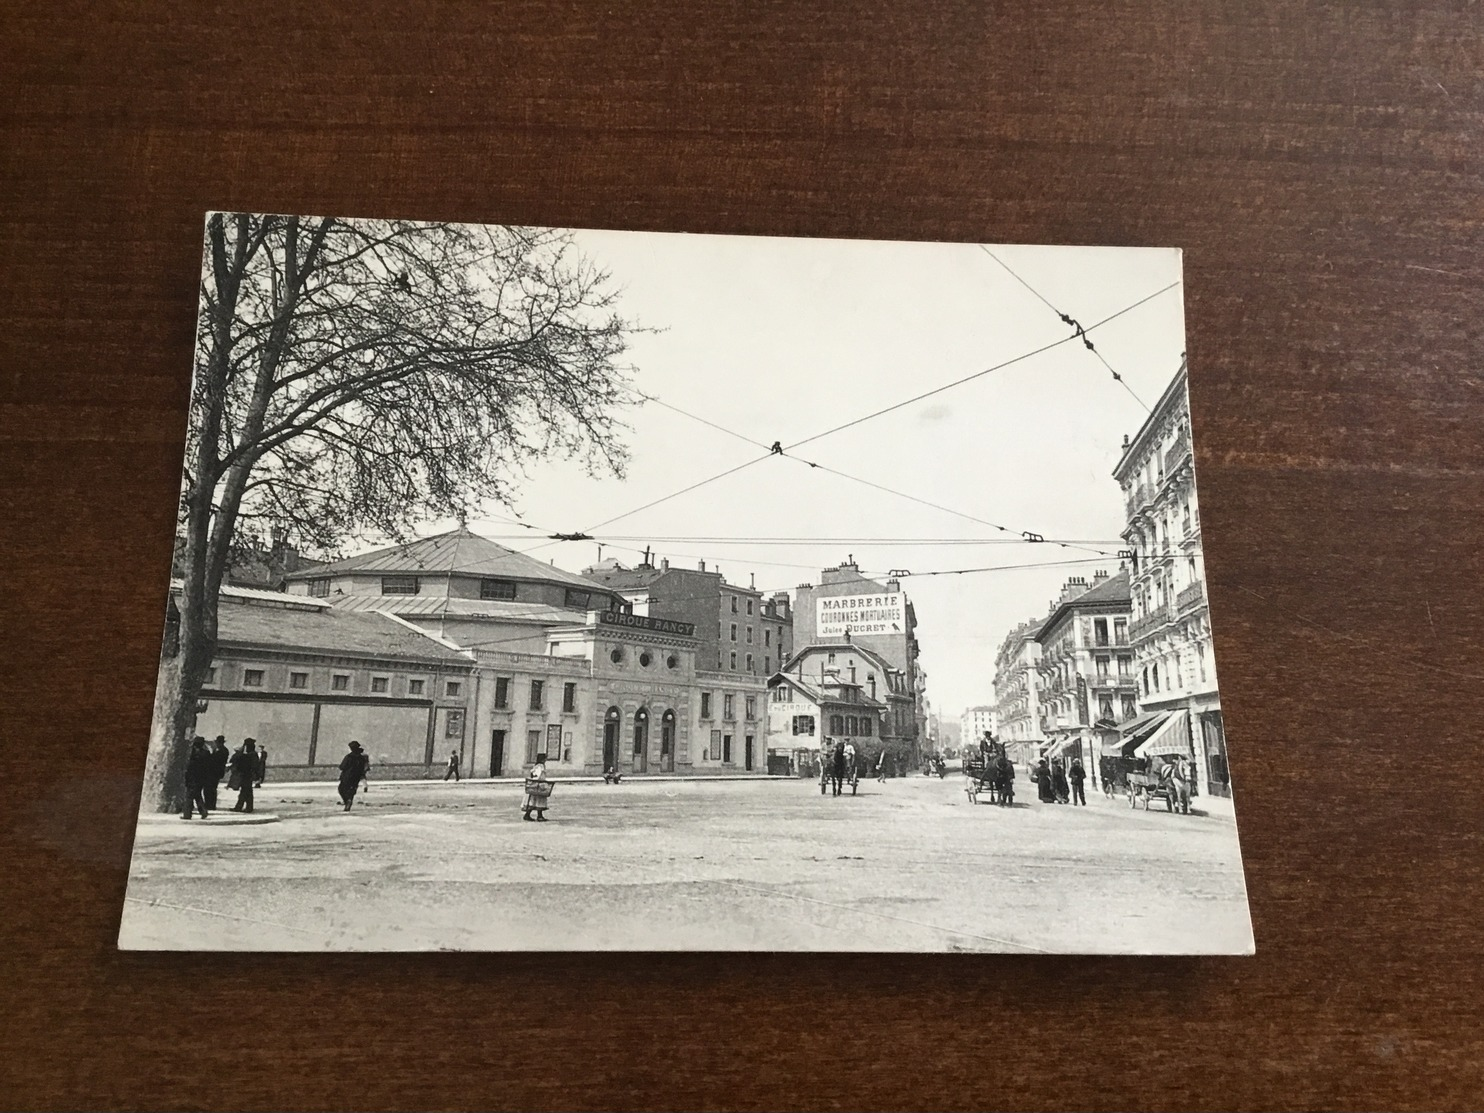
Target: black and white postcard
{"type": "Point", "coordinates": [549, 589]}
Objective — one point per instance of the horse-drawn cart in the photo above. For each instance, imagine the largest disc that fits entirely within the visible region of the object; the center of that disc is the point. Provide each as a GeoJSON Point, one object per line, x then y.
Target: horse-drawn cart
{"type": "Point", "coordinates": [1148, 787]}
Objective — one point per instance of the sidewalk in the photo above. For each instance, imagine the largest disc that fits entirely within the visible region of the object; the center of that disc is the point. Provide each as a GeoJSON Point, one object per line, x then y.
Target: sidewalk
{"type": "Point", "coordinates": [628, 778]}
{"type": "Point", "coordinates": [224, 818]}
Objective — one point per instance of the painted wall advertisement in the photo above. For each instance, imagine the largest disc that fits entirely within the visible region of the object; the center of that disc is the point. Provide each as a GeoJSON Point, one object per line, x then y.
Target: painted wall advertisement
{"type": "Point", "coordinates": [860, 614]}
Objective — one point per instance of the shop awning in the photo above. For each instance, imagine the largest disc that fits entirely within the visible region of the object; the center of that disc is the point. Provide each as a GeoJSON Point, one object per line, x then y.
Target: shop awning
{"type": "Point", "coordinates": [1172, 737]}
{"type": "Point", "coordinates": [1135, 731]}
{"type": "Point", "coordinates": [1058, 746]}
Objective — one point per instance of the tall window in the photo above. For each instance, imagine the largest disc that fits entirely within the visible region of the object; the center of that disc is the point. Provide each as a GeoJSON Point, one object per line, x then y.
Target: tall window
{"type": "Point", "coordinates": [734, 660]}
{"type": "Point", "coordinates": [837, 724]}
{"type": "Point", "coordinates": [502, 692]}
{"type": "Point", "coordinates": [726, 747]}
{"type": "Point", "coordinates": [734, 631]}
{"type": "Point", "coordinates": [734, 603]}
{"type": "Point", "coordinates": [749, 635]}
{"type": "Point", "coordinates": [866, 727]}
{"type": "Point", "coordinates": [497, 589]}
{"type": "Point", "coordinates": [1102, 668]}
{"type": "Point", "coordinates": [780, 694]}
{"type": "Point", "coordinates": [768, 665]}
{"type": "Point", "coordinates": [767, 636]}
{"type": "Point", "coordinates": [569, 697]}
{"type": "Point", "coordinates": [1100, 631]}
{"type": "Point", "coordinates": [749, 606]}
{"type": "Point", "coordinates": [400, 585]}
{"type": "Point", "coordinates": [538, 693]}
{"type": "Point", "coordinates": [728, 706]}
{"type": "Point", "coordinates": [751, 707]}
{"type": "Point", "coordinates": [749, 662]}
{"type": "Point", "coordinates": [705, 705]}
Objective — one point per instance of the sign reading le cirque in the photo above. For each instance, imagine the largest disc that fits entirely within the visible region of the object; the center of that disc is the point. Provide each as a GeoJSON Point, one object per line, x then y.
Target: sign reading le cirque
{"type": "Point", "coordinates": [644, 622]}
{"type": "Point", "coordinates": [860, 614]}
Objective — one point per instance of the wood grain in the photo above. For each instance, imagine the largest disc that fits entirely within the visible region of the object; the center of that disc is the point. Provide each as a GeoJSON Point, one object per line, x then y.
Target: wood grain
{"type": "Point", "coordinates": [1320, 165]}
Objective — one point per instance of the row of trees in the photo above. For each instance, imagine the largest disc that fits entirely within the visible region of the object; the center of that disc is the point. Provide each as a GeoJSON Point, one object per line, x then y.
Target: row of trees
{"type": "Point", "coordinates": [356, 377]}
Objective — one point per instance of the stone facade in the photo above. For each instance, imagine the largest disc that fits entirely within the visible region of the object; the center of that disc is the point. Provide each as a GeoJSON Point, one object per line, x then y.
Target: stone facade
{"type": "Point", "coordinates": [1171, 622]}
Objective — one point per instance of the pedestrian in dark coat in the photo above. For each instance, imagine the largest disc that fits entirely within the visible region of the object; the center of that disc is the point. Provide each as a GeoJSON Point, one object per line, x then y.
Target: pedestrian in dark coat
{"type": "Point", "coordinates": [1076, 775]}
{"type": "Point", "coordinates": [1042, 777]}
{"type": "Point", "coordinates": [353, 769]}
{"type": "Point", "coordinates": [220, 756]}
{"type": "Point", "coordinates": [197, 774]}
{"type": "Point", "coordinates": [244, 771]}
{"type": "Point", "coordinates": [453, 767]}
{"type": "Point", "coordinates": [1059, 787]}
{"type": "Point", "coordinates": [261, 771]}
{"type": "Point", "coordinates": [1005, 780]}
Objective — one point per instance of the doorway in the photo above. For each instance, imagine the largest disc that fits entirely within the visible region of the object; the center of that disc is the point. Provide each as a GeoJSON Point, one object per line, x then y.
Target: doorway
{"type": "Point", "coordinates": [667, 742]}
{"type": "Point", "coordinates": [610, 739]}
{"type": "Point", "coordinates": [497, 753]}
{"type": "Point", "coordinates": [748, 754]}
{"type": "Point", "coordinates": [641, 741]}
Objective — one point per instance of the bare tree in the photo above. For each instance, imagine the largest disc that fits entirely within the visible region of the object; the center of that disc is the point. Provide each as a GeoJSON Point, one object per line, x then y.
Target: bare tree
{"type": "Point", "coordinates": [360, 376]}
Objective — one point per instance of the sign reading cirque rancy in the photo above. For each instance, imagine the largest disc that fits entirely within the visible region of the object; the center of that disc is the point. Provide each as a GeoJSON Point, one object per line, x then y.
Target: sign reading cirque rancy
{"type": "Point", "coordinates": [860, 614]}
{"type": "Point", "coordinates": [644, 622]}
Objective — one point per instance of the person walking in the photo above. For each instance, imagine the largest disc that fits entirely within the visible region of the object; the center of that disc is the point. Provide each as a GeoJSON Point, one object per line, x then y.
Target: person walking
{"type": "Point", "coordinates": [1042, 777]}
{"type": "Point", "coordinates": [535, 802]}
{"type": "Point", "coordinates": [244, 770]}
{"type": "Point", "coordinates": [220, 756]}
{"type": "Point", "coordinates": [197, 775]}
{"type": "Point", "coordinates": [353, 769]}
{"type": "Point", "coordinates": [453, 767]}
{"type": "Point", "coordinates": [1059, 787]}
{"type": "Point", "coordinates": [881, 766]}
{"type": "Point", "coordinates": [1076, 775]}
{"type": "Point", "coordinates": [261, 770]}
{"type": "Point", "coordinates": [1005, 780]}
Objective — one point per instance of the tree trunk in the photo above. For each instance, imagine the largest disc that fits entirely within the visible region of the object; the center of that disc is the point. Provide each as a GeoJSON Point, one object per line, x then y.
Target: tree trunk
{"type": "Point", "coordinates": [164, 768]}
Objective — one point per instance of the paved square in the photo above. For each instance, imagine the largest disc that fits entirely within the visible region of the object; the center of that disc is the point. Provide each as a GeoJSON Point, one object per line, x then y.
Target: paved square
{"type": "Point", "coordinates": [907, 865]}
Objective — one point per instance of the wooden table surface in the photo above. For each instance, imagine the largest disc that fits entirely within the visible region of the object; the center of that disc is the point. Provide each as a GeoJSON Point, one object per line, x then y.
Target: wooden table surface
{"type": "Point", "coordinates": [1320, 165]}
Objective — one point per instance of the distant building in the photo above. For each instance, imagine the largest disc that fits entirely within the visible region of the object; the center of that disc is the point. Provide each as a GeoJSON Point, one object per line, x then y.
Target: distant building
{"type": "Point", "coordinates": [1017, 696]}
{"type": "Point", "coordinates": [873, 615]}
{"type": "Point", "coordinates": [304, 679]}
{"type": "Point", "coordinates": [1171, 622]}
{"type": "Point", "coordinates": [461, 586]}
{"type": "Point", "coordinates": [975, 723]}
{"type": "Point", "coordinates": [839, 690]}
{"type": "Point", "coordinates": [1086, 668]}
{"type": "Point", "coordinates": [737, 629]}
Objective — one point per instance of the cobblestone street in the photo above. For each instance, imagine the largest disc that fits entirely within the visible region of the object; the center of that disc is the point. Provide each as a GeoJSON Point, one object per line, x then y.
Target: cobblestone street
{"type": "Point", "coordinates": [770, 865]}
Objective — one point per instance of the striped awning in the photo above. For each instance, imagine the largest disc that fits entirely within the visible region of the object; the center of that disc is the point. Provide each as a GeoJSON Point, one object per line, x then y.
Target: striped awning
{"type": "Point", "coordinates": [1172, 737]}
{"type": "Point", "coordinates": [1135, 731]}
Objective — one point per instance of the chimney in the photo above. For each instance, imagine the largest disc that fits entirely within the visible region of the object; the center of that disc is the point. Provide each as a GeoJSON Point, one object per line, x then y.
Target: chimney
{"type": "Point", "coordinates": [664, 564]}
{"type": "Point", "coordinates": [703, 566]}
{"type": "Point", "coordinates": [752, 580]}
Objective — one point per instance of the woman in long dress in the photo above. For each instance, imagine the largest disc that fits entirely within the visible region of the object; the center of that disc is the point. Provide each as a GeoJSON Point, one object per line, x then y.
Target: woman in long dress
{"type": "Point", "coordinates": [1043, 782]}
{"type": "Point", "coordinates": [532, 803]}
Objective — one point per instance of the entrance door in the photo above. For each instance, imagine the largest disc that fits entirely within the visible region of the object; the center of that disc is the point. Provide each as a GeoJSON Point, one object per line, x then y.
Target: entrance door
{"type": "Point", "coordinates": [667, 742]}
{"type": "Point", "coordinates": [641, 741]}
{"type": "Point", "coordinates": [611, 726]}
{"type": "Point", "coordinates": [497, 753]}
{"type": "Point", "coordinates": [748, 754]}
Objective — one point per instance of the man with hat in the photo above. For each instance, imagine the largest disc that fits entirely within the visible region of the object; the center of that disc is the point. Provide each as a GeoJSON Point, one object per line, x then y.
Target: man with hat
{"type": "Point", "coordinates": [353, 769]}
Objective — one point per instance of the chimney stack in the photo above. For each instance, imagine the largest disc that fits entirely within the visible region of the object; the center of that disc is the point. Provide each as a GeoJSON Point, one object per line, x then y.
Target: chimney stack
{"type": "Point", "coordinates": [664, 564]}
{"type": "Point", "coordinates": [703, 566]}
{"type": "Point", "coordinates": [752, 580]}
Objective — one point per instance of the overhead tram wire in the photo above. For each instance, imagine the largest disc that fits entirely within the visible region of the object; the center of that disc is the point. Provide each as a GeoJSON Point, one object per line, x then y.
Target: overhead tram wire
{"type": "Point", "coordinates": [1023, 536]}
{"type": "Point", "coordinates": [981, 374]}
{"type": "Point", "coordinates": [1068, 320]}
{"type": "Point", "coordinates": [777, 449]}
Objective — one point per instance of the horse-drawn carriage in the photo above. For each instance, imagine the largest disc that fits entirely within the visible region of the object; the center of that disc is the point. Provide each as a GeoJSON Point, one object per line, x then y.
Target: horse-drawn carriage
{"type": "Point", "coordinates": [1167, 785]}
{"type": "Point", "coordinates": [989, 771]}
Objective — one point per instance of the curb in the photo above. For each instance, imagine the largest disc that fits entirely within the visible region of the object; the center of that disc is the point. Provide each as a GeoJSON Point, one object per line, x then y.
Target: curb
{"type": "Point", "coordinates": [226, 818]}
{"type": "Point", "coordinates": [638, 778]}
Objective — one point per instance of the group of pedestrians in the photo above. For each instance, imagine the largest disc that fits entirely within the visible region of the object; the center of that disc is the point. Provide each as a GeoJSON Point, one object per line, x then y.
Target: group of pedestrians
{"type": "Point", "coordinates": [206, 765]}
{"type": "Point", "coordinates": [245, 768]}
{"type": "Point", "coordinates": [1057, 783]}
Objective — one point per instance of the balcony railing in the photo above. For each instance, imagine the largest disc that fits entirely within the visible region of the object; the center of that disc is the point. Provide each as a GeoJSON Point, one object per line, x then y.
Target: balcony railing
{"type": "Point", "coordinates": [1152, 621]}
{"type": "Point", "coordinates": [1191, 597]}
{"type": "Point", "coordinates": [1139, 496]}
{"type": "Point", "coordinates": [1178, 452]}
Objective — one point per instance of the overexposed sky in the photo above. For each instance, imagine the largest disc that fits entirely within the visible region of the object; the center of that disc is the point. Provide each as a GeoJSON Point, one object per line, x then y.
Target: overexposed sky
{"type": "Point", "coordinates": [782, 339]}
